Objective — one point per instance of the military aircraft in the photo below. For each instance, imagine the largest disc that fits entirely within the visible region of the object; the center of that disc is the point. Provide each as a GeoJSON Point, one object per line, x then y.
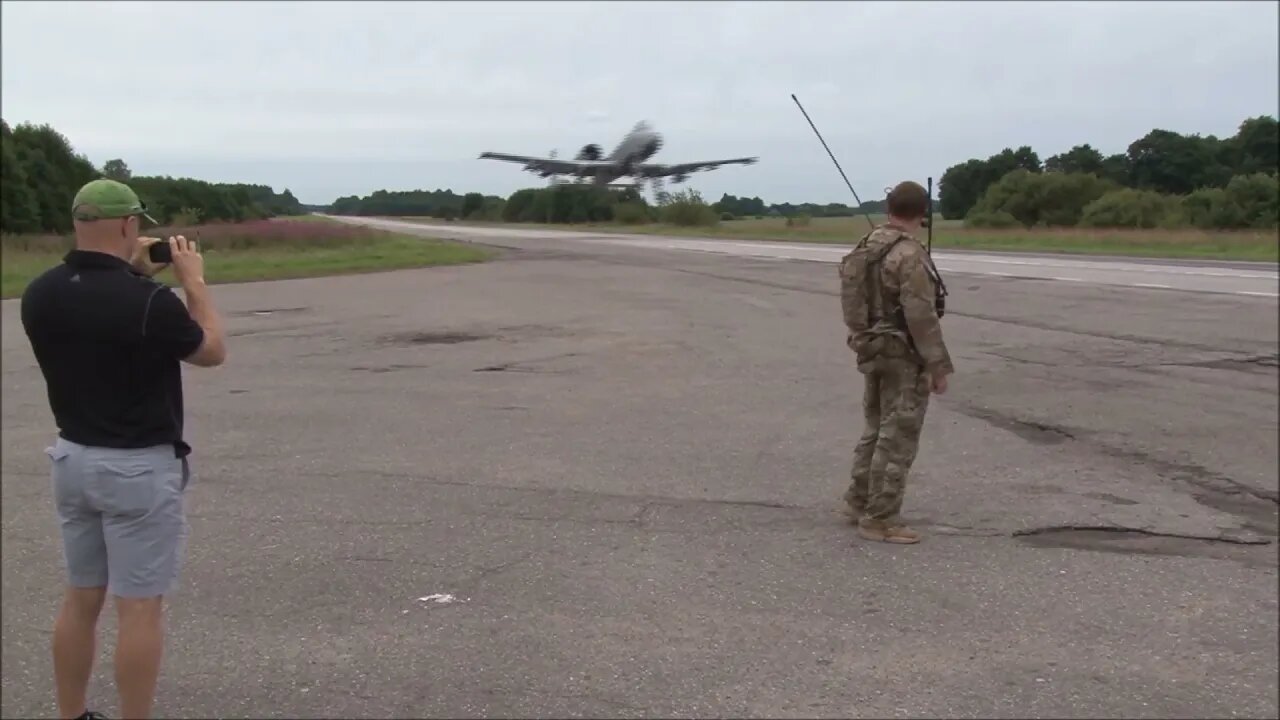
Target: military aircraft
{"type": "Point", "coordinates": [626, 160]}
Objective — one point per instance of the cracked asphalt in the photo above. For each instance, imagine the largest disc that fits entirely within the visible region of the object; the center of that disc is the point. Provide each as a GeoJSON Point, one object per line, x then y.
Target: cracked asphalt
{"type": "Point", "coordinates": [618, 471]}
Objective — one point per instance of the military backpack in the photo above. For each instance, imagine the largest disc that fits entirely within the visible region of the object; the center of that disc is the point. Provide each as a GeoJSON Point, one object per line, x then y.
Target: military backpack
{"type": "Point", "coordinates": [860, 282]}
{"type": "Point", "coordinates": [860, 288]}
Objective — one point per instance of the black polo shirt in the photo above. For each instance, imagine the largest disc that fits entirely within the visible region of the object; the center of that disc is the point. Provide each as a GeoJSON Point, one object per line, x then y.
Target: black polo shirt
{"type": "Point", "coordinates": [109, 341]}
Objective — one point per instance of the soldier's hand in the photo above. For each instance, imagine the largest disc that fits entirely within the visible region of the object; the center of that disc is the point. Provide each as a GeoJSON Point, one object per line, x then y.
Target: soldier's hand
{"type": "Point", "coordinates": [939, 383]}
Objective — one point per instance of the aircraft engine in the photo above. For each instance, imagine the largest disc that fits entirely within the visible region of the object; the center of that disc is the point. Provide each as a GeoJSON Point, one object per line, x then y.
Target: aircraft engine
{"type": "Point", "coordinates": [589, 152]}
{"type": "Point", "coordinates": [677, 179]}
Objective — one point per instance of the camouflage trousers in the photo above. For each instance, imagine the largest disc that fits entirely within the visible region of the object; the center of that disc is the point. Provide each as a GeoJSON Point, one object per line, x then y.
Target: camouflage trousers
{"type": "Point", "coordinates": [894, 404]}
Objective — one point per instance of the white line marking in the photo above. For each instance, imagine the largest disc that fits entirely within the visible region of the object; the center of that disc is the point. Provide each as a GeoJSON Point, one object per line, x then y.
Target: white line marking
{"type": "Point", "coordinates": [1153, 285]}
{"type": "Point", "coordinates": [1117, 265]}
{"type": "Point", "coordinates": [800, 251]}
{"type": "Point", "coordinates": [1257, 294]}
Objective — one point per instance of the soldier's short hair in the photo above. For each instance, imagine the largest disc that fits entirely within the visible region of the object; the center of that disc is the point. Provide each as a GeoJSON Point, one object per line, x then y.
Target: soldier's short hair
{"type": "Point", "coordinates": [908, 200]}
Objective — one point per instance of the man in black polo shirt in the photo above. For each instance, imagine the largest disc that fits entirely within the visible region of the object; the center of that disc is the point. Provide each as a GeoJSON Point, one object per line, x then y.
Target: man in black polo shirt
{"type": "Point", "coordinates": [109, 341]}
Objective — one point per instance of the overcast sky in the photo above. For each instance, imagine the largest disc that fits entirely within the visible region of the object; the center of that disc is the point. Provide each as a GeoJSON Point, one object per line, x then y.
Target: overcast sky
{"type": "Point", "coordinates": [333, 98]}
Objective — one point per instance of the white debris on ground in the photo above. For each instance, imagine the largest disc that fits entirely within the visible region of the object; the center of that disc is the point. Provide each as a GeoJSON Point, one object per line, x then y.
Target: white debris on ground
{"type": "Point", "coordinates": [440, 599]}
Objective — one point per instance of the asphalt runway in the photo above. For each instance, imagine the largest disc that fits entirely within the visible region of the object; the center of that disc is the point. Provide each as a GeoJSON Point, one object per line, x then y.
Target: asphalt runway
{"type": "Point", "coordinates": [1232, 278]}
{"type": "Point", "coordinates": [599, 477]}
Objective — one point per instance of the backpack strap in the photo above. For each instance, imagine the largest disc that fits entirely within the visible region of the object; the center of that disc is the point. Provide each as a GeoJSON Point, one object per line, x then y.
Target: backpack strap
{"type": "Point", "coordinates": [884, 253]}
{"type": "Point", "coordinates": [872, 271]}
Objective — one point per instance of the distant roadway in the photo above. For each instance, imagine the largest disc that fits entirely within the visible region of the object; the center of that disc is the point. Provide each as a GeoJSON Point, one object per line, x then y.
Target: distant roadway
{"type": "Point", "coordinates": [1234, 278]}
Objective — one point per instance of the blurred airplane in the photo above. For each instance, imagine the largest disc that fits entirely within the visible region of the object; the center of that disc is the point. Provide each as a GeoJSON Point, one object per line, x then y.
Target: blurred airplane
{"type": "Point", "coordinates": [627, 160]}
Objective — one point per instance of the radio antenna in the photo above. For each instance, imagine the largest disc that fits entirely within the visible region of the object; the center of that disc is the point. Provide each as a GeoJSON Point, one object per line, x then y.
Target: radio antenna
{"type": "Point", "coordinates": [837, 162]}
{"type": "Point", "coordinates": [929, 218]}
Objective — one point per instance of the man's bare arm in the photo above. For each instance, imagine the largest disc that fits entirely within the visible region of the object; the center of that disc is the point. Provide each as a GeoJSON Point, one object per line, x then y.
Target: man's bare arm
{"type": "Point", "coordinates": [213, 350]}
{"type": "Point", "coordinates": [188, 266]}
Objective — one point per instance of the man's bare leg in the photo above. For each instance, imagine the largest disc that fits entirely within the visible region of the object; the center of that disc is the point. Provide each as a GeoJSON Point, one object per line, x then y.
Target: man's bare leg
{"type": "Point", "coordinates": [138, 654]}
{"type": "Point", "coordinates": [75, 647]}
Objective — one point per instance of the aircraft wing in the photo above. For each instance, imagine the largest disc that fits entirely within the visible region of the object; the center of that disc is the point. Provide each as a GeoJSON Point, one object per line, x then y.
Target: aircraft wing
{"type": "Point", "coordinates": [548, 165]}
{"type": "Point", "coordinates": [658, 170]}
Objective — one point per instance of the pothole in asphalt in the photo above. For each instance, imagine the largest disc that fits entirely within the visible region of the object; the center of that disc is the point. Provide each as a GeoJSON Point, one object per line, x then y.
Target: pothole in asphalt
{"type": "Point", "coordinates": [1108, 497]}
{"type": "Point", "coordinates": [516, 368]}
{"type": "Point", "coordinates": [1256, 509]}
{"type": "Point", "coordinates": [532, 365]}
{"type": "Point", "coordinates": [1131, 541]}
{"type": "Point", "coordinates": [378, 369]}
{"type": "Point", "coordinates": [263, 312]}
{"type": "Point", "coordinates": [434, 338]}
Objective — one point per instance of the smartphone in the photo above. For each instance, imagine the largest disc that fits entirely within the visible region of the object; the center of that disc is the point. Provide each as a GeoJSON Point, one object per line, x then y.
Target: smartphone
{"type": "Point", "coordinates": [161, 254]}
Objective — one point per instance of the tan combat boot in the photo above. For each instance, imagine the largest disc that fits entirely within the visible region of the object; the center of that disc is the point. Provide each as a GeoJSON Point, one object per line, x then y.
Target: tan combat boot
{"type": "Point", "coordinates": [880, 531]}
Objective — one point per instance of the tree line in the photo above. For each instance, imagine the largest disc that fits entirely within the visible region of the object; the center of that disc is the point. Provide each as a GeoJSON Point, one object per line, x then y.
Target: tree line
{"type": "Point", "coordinates": [442, 204]}
{"type": "Point", "coordinates": [1164, 179]}
{"type": "Point", "coordinates": [575, 203]}
{"type": "Point", "coordinates": [739, 207]}
{"type": "Point", "coordinates": [570, 203]}
{"type": "Point", "coordinates": [561, 203]}
{"type": "Point", "coordinates": [41, 173]}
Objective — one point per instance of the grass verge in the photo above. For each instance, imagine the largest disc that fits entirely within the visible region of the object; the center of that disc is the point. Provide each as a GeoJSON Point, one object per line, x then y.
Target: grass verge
{"type": "Point", "coordinates": [1254, 245]}
{"type": "Point", "coordinates": [263, 250]}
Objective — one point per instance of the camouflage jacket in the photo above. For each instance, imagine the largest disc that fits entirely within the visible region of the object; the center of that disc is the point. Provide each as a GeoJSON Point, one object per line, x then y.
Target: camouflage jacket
{"type": "Point", "coordinates": [906, 291]}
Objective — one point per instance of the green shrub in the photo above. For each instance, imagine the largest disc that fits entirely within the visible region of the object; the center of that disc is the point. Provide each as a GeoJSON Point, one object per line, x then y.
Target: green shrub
{"type": "Point", "coordinates": [1258, 198]}
{"type": "Point", "coordinates": [686, 208]}
{"type": "Point", "coordinates": [490, 210]}
{"type": "Point", "coordinates": [1209, 208]}
{"type": "Point", "coordinates": [1053, 199]}
{"type": "Point", "coordinates": [631, 213]}
{"type": "Point", "coordinates": [517, 206]}
{"type": "Point", "coordinates": [1129, 208]}
{"type": "Point", "coordinates": [990, 219]}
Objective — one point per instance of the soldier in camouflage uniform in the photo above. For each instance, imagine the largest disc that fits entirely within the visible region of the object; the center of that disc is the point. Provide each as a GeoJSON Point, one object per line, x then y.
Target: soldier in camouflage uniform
{"type": "Point", "coordinates": [903, 359]}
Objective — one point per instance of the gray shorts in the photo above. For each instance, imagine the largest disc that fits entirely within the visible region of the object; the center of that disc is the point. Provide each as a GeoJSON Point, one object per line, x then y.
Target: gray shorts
{"type": "Point", "coordinates": [121, 514]}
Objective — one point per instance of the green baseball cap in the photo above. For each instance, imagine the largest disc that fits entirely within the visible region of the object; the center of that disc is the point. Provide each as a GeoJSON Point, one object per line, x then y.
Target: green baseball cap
{"type": "Point", "coordinates": [103, 198]}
